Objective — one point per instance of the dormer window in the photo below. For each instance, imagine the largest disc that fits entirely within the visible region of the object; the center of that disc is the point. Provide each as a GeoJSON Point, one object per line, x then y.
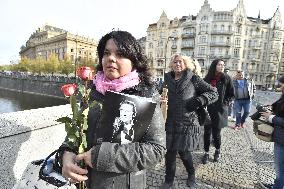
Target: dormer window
{"type": "Point", "coordinates": [204, 18]}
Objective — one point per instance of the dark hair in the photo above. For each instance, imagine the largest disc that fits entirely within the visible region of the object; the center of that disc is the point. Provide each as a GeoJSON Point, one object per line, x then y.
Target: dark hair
{"type": "Point", "coordinates": [130, 103]}
{"type": "Point", "coordinates": [212, 70]}
{"type": "Point", "coordinates": [131, 49]}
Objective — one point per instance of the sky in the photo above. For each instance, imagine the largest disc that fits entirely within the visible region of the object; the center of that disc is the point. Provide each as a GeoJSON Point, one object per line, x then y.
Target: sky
{"type": "Point", "coordinates": [94, 18]}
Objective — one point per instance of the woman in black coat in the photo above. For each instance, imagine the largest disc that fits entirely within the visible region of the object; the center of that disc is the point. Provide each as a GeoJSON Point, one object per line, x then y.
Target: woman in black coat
{"type": "Point", "coordinates": [187, 93]}
{"type": "Point", "coordinates": [218, 111]}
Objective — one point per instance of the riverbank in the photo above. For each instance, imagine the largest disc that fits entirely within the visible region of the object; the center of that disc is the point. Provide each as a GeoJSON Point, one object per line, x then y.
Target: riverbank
{"type": "Point", "coordinates": [13, 101]}
{"type": "Point", "coordinates": [47, 86]}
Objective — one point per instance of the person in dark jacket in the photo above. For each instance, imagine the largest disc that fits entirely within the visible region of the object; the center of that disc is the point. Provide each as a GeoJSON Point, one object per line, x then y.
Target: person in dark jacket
{"type": "Point", "coordinates": [187, 93]}
{"type": "Point", "coordinates": [218, 111]}
{"type": "Point", "coordinates": [277, 118]}
{"type": "Point", "coordinates": [122, 68]}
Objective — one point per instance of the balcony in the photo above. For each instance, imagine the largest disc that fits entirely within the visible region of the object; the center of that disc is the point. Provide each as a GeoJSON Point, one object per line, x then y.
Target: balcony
{"type": "Point", "coordinates": [220, 44]}
{"type": "Point", "coordinates": [256, 47]}
{"type": "Point", "coordinates": [213, 56]}
{"type": "Point", "coordinates": [254, 59]}
{"type": "Point", "coordinates": [221, 32]}
{"type": "Point", "coordinates": [256, 36]}
{"type": "Point", "coordinates": [188, 35]}
{"type": "Point", "coordinates": [187, 46]}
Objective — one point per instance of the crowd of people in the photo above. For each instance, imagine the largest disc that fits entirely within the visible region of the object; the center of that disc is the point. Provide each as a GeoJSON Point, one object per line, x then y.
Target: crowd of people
{"type": "Point", "coordinates": [193, 102]}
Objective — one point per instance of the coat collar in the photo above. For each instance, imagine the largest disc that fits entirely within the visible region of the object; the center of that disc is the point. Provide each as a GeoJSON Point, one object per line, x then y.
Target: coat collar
{"type": "Point", "coordinates": [181, 84]}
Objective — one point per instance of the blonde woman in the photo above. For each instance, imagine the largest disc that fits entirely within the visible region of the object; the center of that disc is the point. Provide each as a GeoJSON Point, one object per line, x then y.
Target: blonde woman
{"type": "Point", "coordinates": [187, 92]}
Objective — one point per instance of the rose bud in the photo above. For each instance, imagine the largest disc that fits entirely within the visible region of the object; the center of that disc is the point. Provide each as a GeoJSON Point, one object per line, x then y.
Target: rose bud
{"type": "Point", "coordinates": [85, 73]}
{"type": "Point", "coordinates": [69, 89]}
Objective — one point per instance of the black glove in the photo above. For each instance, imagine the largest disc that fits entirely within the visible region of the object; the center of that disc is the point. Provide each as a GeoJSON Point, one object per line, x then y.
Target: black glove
{"type": "Point", "coordinates": [193, 104]}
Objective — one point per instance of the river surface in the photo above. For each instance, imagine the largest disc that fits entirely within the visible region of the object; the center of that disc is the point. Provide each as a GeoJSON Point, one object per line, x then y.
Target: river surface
{"type": "Point", "coordinates": [11, 101]}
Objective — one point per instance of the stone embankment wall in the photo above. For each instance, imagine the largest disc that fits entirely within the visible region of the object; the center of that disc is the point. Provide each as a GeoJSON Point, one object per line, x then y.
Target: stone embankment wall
{"type": "Point", "coordinates": [26, 136]}
{"type": "Point", "coordinates": [28, 85]}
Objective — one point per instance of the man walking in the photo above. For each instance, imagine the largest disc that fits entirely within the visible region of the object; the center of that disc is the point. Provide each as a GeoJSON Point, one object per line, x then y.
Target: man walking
{"type": "Point", "coordinates": [244, 93]}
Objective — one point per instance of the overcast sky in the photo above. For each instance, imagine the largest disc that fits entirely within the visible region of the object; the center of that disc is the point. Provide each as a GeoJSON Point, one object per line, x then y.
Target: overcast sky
{"type": "Point", "coordinates": [93, 18]}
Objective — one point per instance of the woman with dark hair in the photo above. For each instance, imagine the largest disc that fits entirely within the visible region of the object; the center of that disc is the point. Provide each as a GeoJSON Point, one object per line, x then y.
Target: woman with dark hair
{"type": "Point", "coordinates": [218, 111]}
{"type": "Point", "coordinates": [187, 93]}
{"type": "Point", "coordinates": [122, 68]}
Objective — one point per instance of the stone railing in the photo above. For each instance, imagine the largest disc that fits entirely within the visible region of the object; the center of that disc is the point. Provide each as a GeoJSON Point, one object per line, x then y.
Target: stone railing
{"type": "Point", "coordinates": [26, 136]}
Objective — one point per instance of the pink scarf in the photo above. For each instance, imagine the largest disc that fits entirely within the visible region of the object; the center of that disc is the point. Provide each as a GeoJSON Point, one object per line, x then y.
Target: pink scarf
{"type": "Point", "coordinates": [103, 84]}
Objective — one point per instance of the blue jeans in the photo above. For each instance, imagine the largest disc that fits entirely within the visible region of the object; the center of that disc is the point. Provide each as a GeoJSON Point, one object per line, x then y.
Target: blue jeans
{"type": "Point", "coordinates": [279, 166]}
{"type": "Point", "coordinates": [239, 106]}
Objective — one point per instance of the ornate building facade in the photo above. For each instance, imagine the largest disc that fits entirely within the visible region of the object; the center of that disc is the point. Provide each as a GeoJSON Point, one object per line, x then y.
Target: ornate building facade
{"type": "Point", "coordinates": [52, 40]}
{"type": "Point", "coordinates": [251, 44]}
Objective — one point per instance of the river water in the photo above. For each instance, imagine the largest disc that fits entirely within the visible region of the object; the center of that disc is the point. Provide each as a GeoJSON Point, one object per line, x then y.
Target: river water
{"type": "Point", "coordinates": [11, 101]}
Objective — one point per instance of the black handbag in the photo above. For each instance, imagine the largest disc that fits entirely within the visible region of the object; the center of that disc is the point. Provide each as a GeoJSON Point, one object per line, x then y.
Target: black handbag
{"type": "Point", "coordinates": [203, 116]}
{"type": "Point", "coordinates": [45, 173]}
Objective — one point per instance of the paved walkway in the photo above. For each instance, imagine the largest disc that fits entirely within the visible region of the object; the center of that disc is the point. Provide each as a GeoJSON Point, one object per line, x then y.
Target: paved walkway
{"type": "Point", "coordinates": [245, 161]}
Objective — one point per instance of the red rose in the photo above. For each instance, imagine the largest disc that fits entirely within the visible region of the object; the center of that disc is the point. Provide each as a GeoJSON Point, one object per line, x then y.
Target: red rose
{"type": "Point", "coordinates": [69, 89]}
{"type": "Point", "coordinates": [85, 73]}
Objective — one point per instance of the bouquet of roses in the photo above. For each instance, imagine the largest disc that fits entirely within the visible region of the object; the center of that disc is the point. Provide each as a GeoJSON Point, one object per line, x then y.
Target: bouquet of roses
{"type": "Point", "coordinates": [76, 126]}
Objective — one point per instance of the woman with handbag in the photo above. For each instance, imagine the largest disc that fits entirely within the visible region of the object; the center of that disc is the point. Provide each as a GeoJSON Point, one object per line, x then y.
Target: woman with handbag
{"type": "Point", "coordinates": [121, 68]}
{"type": "Point", "coordinates": [218, 111]}
{"type": "Point", "coordinates": [187, 92]}
{"type": "Point", "coordinates": [276, 117]}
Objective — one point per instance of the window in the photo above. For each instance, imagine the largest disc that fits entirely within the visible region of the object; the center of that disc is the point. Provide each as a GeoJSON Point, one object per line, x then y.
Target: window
{"type": "Point", "coordinates": [204, 18]}
{"type": "Point", "coordinates": [236, 53]}
{"type": "Point", "coordinates": [212, 51]}
{"type": "Point", "coordinates": [229, 28]}
{"type": "Point", "coordinates": [72, 50]}
{"type": "Point", "coordinates": [201, 51]}
{"type": "Point", "coordinates": [203, 39]}
{"type": "Point", "coordinates": [237, 42]}
{"type": "Point", "coordinates": [202, 28]}
{"type": "Point", "coordinates": [249, 45]}
{"type": "Point", "coordinates": [239, 30]}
